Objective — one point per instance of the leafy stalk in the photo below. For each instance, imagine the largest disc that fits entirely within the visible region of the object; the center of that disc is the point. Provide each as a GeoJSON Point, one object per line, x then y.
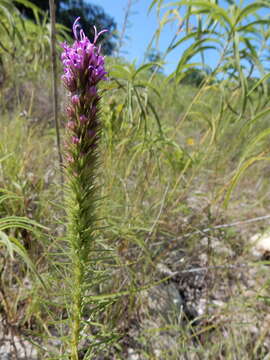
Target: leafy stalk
{"type": "Point", "coordinates": [84, 68]}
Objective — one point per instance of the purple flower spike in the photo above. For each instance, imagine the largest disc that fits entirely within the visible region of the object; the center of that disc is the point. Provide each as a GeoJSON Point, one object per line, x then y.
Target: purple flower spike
{"type": "Point", "coordinates": [82, 60]}
{"type": "Point", "coordinates": [83, 70]}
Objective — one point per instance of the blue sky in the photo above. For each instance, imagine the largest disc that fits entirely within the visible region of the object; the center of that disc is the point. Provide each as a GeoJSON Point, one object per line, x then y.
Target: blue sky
{"type": "Point", "coordinates": [142, 28]}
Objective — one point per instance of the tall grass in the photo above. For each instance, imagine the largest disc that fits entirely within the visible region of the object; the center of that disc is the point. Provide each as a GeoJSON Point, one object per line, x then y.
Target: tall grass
{"type": "Point", "coordinates": [177, 159]}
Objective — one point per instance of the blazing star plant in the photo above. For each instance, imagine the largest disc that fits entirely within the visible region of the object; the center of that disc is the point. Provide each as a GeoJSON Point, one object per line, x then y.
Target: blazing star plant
{"type": "Point", "coordinates": [83, 70]}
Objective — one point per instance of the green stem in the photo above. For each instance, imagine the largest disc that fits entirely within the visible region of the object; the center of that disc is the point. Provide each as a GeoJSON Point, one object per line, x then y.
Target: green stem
{"type": "Point", "coordinates": [76, 320]}
{"type": "Point", "coordinates": [77, 298]}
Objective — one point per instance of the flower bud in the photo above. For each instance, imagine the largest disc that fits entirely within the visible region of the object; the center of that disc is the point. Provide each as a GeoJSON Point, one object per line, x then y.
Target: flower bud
{"type": "Point", "coordinates": [75, 100]}
{"type": "Point", "coordinates": [83, 119]}
{"type": "Point", "coordinates": [71, 125]}
{"type": "Point", "coordinates": [75, 140]}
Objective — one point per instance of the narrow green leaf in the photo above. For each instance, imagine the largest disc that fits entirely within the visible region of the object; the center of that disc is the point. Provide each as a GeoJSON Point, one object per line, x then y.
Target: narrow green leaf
{"type": "Point", "coordinates": [238, 175]}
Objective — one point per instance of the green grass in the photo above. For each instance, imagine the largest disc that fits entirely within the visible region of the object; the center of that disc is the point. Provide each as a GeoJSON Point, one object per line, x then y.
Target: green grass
{"type": "Point", "coordinates": [175, 159]}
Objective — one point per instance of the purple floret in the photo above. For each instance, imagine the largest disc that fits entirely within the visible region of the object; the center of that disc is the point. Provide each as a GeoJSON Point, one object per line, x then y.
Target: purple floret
{"type": "Point", "coordinates": [83, 63]}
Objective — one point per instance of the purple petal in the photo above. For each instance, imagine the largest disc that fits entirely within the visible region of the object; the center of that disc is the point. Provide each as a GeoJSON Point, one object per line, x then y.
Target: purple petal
{"type": "Point", "coordinates": [75, 27]}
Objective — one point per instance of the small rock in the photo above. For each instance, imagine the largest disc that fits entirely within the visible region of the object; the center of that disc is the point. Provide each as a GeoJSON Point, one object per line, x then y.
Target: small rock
{"type": "Point", "coordinates": [132, 355]}
{"type": "Point", "coordinates": [260, 245]}
{"type": "Point", "coordinates": [164, 270]}
{"type": "Point", "coordinates": [163, 301]}
{"type": "Point", "coordinates": [202, 303]}
{"type": "Point", "coordinates": [17, 347]}
{"type": "Point", "coordinates": [218, 246]}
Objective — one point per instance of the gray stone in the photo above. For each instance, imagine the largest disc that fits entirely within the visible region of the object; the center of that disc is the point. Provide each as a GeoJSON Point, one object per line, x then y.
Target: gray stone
{"type": "Point", "coordinates": [260, 245]}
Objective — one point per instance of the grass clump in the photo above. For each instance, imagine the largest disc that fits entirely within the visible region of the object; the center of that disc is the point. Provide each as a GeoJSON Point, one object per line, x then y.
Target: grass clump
{"type": "Point", "coordinates": [171, 273]}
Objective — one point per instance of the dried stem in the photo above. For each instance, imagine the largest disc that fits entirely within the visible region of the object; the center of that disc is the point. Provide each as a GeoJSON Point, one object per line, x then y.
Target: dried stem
{"type": "Point", "coordinates": [124, 28]}
{"type": "Point", "coordinates": [54, 87]}
{"type": "Point", "coordinates": [224, 226]}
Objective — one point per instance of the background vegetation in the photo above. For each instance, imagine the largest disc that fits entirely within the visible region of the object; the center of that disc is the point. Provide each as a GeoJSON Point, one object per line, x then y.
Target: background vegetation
{"type": "Point", "coordinates": [183, 182]}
